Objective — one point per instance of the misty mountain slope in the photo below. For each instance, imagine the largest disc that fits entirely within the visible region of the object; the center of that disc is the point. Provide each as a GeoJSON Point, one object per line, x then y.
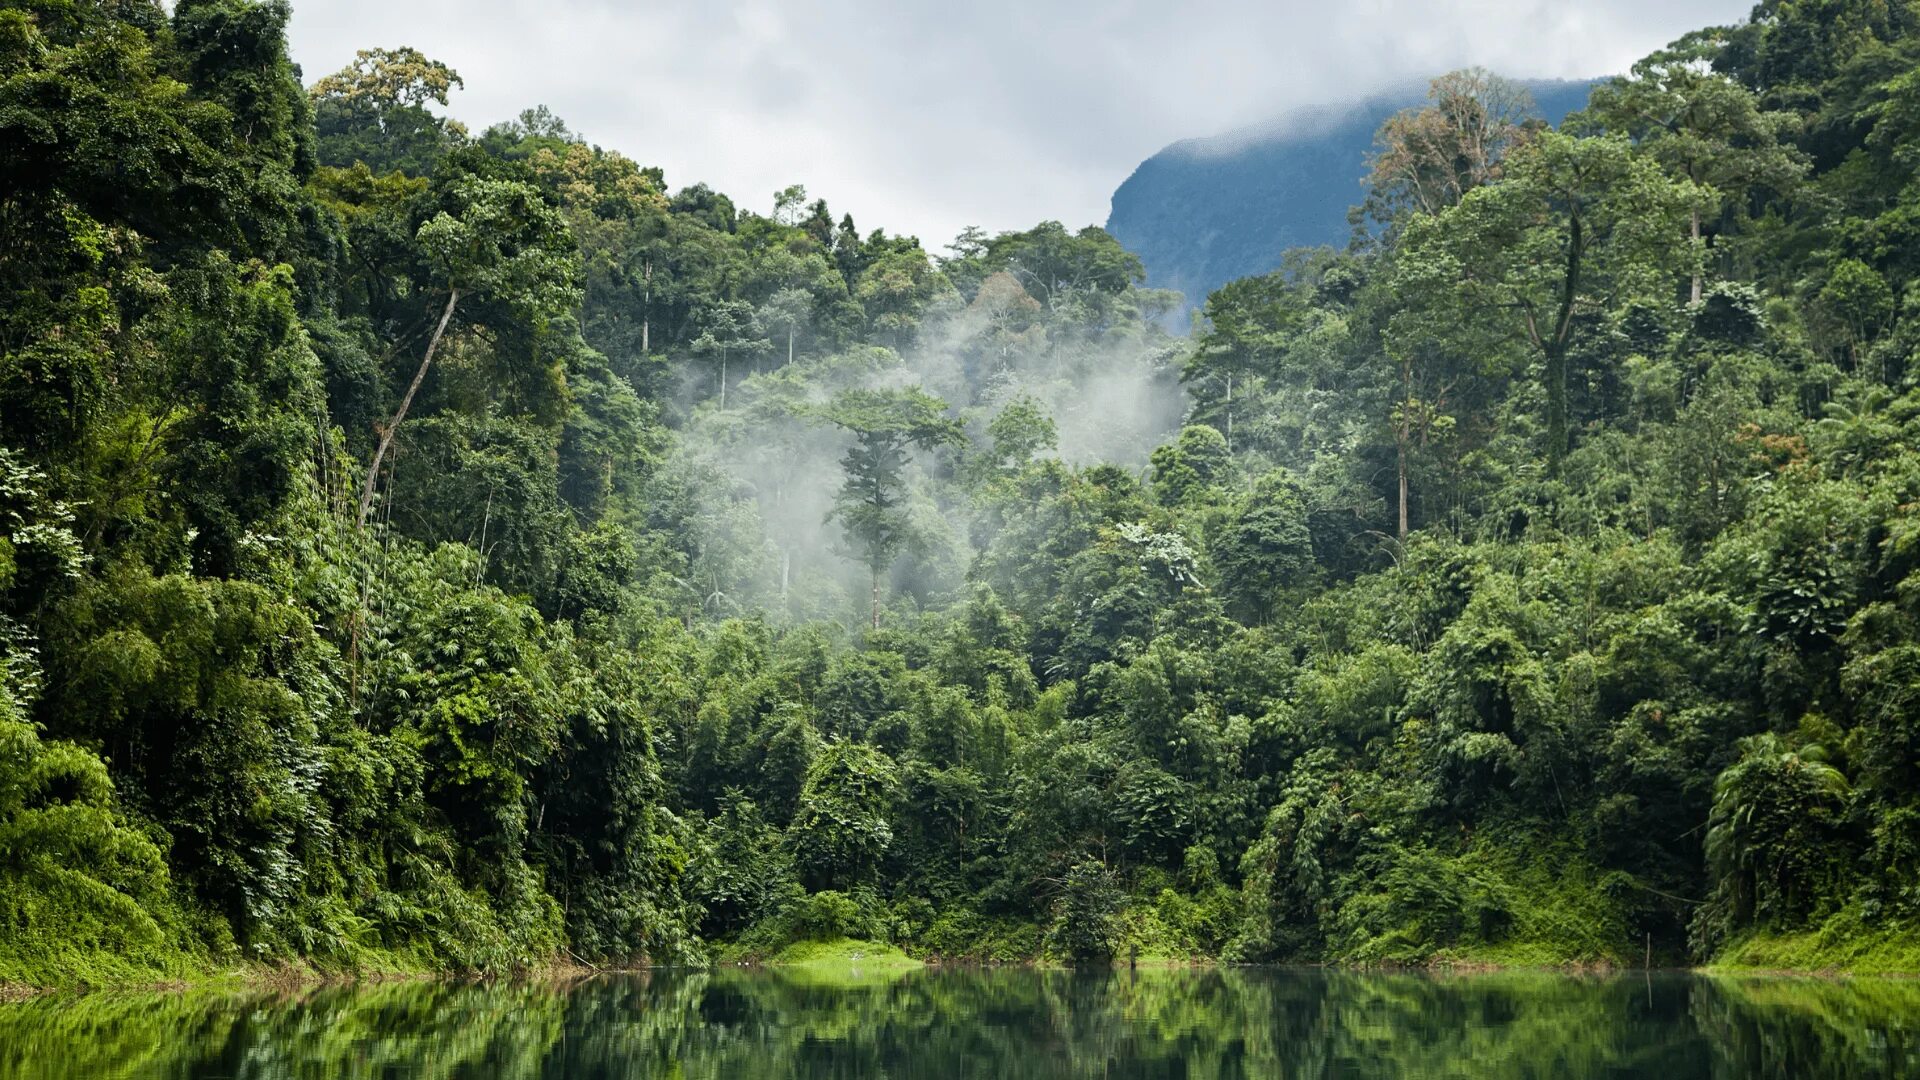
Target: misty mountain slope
{"type": "Point", "coordinates": [1203, 212]}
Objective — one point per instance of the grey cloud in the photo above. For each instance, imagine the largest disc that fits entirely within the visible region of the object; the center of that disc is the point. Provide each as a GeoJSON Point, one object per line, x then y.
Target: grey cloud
{"type": "Point", "coordinates": [925, 117]}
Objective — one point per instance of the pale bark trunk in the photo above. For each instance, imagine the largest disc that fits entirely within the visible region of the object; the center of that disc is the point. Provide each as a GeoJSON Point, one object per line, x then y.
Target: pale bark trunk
{"type": "Point", "coordinates": [1696, 247]}
{"type": "Point", "coordinates": [386, 433]}
{"type": "Point", "coordinates": [1229, 412]}
{"type": "Point", "coordinates": [1403, 434]}
{"type": "Point", "coordinates": [1403, 488]}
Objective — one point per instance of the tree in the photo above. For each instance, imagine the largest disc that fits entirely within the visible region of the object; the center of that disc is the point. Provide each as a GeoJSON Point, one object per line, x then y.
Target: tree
{"type": "Point", "coordinates": [1419, 412]}
{"type": "Point", "coordinates": [789, 204]}
{"type": "Point", "coordinates": [1056, 266]}
{"type": "Point", "coordinates": [788, 310]}
{"type": "Point", "coordinates": [730, 326]}
{"type": "Point", "coordinates": [842, 827]}
{"type": "Point", "coordinates": [1086, 912]}
{"type": "Point", "coordinates": [1189, 468]}
{"type": "Point", "coordinates": [115, 176]}
{"type": "Point", "coordinates": [1576, 226]}
{"type": "Point", "coordinates": [1247, 325]}
{"type": "Point", "coordinates": [496, 240]}
{"type": "Point", "coordinates": [1274, 350]}
{"type": "Point", "coordinates": [1704, 128]}
{"type": "Point", "coordinates": [1265, 548]}
{"type": "Point", "coordinates": [1021, 431]}
{"type": "Point", "coordinates": [236, 52]}
{"type": "Point", "coordinates": [374, 110]}
{"type": "Point", "coordinates": [1426, 160]}
{"type": "Point", "coordinates": [896, 285]}
{"type": "Point", "coordinates": [870, 505]}
{"type": "Point", "coordinates": [209, 694]}
{"type": "Point", "coordinates": [819, 225]}
{"type": "Point", "coordinates": [1859, 302]}
{"type": "Point", "coordinates": [1773, 839]}
{"type": "Point", "coordinates": [74, 872]}
{"type": "Point", "coordinates": [390, 78]}
{"type": "Point", "coordinates": [847, 257]}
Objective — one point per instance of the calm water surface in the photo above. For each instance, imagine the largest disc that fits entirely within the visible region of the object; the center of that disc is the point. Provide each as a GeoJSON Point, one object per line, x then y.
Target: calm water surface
{"type": "Point", "coordinates": [1005, 1024]}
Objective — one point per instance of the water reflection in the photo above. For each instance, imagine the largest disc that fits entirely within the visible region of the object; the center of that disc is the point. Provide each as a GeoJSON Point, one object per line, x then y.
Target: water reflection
{"type": "Point", "coordinates": [1006, 1024]}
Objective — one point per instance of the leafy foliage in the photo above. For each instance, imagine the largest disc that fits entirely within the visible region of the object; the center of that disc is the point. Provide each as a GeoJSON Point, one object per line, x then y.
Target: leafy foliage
{"type": "Point", "coordinates": [415, 548]}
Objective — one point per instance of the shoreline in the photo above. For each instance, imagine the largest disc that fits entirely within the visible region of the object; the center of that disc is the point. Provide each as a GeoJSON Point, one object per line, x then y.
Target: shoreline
{"type": "Point", "coordinates": [292, 977]}
{"type": "Point", "coordinates": [298, 978]}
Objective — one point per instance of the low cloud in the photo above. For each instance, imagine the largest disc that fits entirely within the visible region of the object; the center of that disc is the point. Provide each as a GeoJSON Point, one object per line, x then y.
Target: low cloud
{"type": "Point", "coordinates": [923, 118]}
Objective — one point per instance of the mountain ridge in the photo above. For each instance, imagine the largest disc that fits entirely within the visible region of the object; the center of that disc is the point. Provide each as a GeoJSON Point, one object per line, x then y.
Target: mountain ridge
{"type": "Point", "coordinates": [1209, 209]}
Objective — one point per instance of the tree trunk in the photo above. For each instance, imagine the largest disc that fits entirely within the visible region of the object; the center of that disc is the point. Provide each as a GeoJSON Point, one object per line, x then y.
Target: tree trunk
{"type": "Point", "coordinates": [386, 433]}
{"type": "Point", "coordinates": [1229, 412]}
{"type": "Point", "coordinates": [1403, 485]}
{"type": "Point", "coordinates": [1403, 434]}
{"type": "Point", "coordinates": [876, 599]}
{"type": "Point", "coordinates": [789, 344]}
{"type": "Point", "coordinates": [1556, 376]}
{"type": "Point", "coordinates": [646, 309]}
{"type": "Point", "coordinates": [1555, 348]}
{"type": "Point", "coordinates": [723, 380]}
{"type": "Point", "coordinates": [1696, 248]}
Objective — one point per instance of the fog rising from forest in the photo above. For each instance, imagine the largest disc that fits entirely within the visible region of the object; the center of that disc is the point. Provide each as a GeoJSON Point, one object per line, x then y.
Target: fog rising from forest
{"type": "Point", "coordinates": [1108, 401]}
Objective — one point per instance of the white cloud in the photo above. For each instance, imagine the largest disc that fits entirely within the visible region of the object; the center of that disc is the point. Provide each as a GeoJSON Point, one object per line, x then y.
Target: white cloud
{"type": "Point", "coordinates": [924, 117]}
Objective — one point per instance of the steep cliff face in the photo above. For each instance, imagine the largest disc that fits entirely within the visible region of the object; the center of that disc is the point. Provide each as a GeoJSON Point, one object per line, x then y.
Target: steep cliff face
{"type": "Point", "coordinates": [1203, 212]}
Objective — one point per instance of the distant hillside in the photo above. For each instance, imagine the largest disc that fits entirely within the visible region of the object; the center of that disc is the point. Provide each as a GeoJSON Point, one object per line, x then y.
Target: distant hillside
{"type": "Point", "coordinates": [1203, 212]}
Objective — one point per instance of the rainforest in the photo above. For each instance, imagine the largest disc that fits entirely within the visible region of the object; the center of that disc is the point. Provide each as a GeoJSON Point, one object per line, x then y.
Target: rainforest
{"type": "Point", "coordinates": [429, 550]}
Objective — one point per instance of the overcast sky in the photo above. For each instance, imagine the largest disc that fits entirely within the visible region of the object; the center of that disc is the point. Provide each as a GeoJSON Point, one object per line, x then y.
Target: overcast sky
{"type": "Point", "coordinates": [924, 117]}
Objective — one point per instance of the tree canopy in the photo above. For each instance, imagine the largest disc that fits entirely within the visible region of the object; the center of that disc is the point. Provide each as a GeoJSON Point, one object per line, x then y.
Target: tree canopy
{"type": "Point", "coordinates": [430, 550]}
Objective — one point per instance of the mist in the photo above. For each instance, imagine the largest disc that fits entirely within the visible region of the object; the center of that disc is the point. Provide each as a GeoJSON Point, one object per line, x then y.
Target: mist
{"type": "Point", "coordinates": [766, 469]}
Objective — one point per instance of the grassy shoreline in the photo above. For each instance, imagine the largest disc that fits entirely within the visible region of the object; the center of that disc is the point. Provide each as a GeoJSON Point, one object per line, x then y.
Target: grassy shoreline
{"type": "Point", "coordinates": [300, 977]}
{"type": "Point", "coordinates": [1813, 953]}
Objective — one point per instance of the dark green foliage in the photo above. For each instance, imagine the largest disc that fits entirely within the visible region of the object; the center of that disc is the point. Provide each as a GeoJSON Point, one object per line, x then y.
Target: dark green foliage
{"type": "Point", "coordinates": [1492, 599]}
{"type": "Point", "coordinates": [1265, 549]}
{"type": "Point", "coordinates": [1085, 915]}
{"type": "Point", "coordinates": [210, 697]}
{"type": "Point", "coordinates": [1193, 467]}
{"type": "Point", "coordinates": [1775, 841]}
{"type": "Point", "coordinates": [840, 827]}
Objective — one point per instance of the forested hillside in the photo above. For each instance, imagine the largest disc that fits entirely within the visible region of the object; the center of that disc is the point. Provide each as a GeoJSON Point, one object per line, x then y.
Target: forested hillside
{"type": "Point", "coordinates": [1204, 212]}
{"type": "Point", "coordinates": [429, 549]}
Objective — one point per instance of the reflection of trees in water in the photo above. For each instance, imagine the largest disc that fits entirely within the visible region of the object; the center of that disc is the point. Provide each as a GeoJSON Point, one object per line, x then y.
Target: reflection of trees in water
{"type": "Point", "coordinates": [428, 1031]}
{"type": "Point", "coordinates": [1009, 1024]}
{"type": "Point", "coordinates": [1793, 1027]}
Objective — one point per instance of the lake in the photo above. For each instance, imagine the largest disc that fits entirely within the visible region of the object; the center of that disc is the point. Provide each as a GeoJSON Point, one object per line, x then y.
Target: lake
{"type": "Point", "coordinates": [1001, 1023]}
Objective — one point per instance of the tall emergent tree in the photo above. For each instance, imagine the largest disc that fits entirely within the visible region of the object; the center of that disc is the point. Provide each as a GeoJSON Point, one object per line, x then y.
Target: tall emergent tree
{"type": "Point", "coordinates": [788, 310]}
{"type": "Point", "coordinates": [1705, 128]}
{"type": "Point", "coordinates": [1427, 159]}
{"type": "Point", "coordinates": [494, 239]}
{"type": "Point", "coordinates": [731, 326]}
{"type": "Point", "coordinates": [374, 110]}
{"type": "Point", "coordinates": [1577, 226]}
{"type": "Point", "coordinates": [870, 505]}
